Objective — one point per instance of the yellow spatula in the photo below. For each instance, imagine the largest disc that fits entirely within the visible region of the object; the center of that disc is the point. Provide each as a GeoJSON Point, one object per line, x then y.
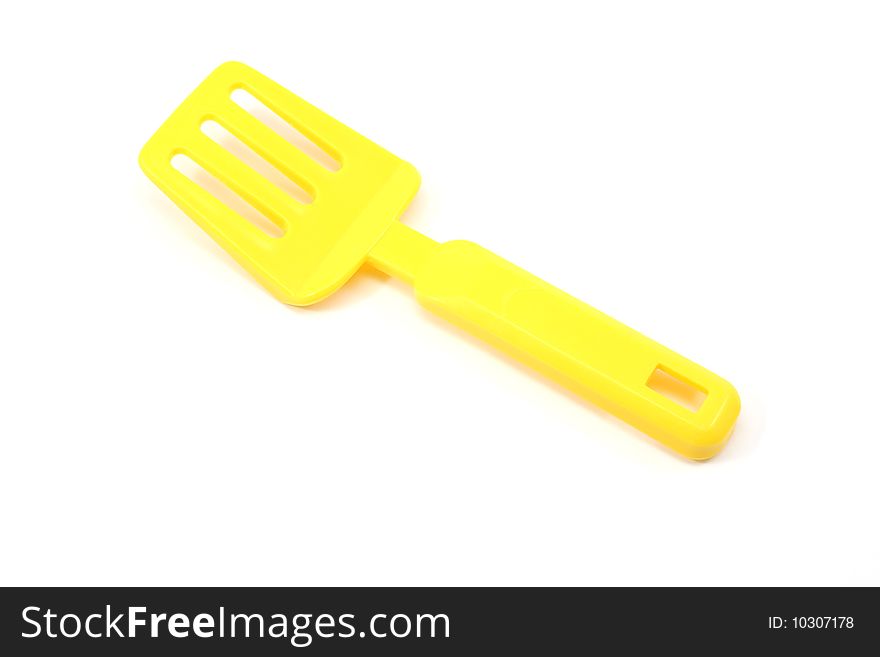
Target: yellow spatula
{"type": "Point", "coordinates": [353, 219]}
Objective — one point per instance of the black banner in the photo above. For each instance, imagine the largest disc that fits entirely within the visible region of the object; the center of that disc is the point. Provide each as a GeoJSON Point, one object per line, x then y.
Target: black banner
{"type": "Point", "coordinates": [418, 621]}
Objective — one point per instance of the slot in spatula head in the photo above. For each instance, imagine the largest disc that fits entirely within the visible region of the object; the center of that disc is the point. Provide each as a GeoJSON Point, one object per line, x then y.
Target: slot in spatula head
{"type": "Point", "coordinates": [323, 242]}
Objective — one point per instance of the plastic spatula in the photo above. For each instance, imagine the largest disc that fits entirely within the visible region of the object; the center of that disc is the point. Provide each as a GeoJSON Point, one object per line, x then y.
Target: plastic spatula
{"type": "Point", "coordinates": [353, 219]}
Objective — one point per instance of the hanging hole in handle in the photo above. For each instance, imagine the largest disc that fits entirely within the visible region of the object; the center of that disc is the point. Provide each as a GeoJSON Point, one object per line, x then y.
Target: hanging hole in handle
{"type": "Point", "coordinates": [674, 387]}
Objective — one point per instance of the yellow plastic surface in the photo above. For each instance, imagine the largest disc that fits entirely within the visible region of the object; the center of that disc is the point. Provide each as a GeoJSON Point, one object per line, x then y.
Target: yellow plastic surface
{"type": "Point", "coordinates": [324, 241]}
{"type": "Point", "coordinates": [353, 219]}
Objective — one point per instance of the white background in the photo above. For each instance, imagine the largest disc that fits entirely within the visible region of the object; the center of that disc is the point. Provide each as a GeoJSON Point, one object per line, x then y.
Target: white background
{"type": "Point", "coordinates": [708, 173]}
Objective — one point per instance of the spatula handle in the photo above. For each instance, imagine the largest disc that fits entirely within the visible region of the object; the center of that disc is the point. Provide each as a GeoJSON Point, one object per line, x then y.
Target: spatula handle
{"type": "Point", "coordinates": [597, 357]}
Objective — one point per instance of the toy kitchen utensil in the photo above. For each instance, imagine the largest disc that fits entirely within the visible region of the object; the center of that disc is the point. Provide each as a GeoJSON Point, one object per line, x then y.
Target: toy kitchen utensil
{"type": "Point", "coordinates": [352, 219]}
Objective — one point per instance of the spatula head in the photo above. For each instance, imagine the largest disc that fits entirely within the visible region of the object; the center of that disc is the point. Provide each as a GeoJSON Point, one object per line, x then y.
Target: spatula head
{"type": "Point", "coordinates": [325, 241]}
